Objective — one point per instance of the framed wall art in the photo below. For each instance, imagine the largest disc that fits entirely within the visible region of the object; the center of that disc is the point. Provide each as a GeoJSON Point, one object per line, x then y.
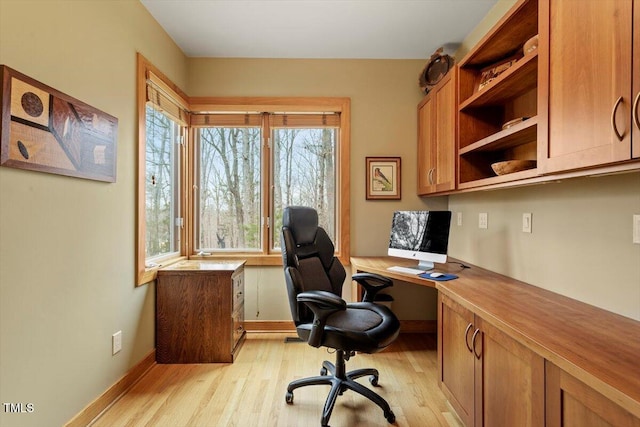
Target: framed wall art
{"type": "Point", "coordinates": [383, 178]}
{"type": "Point", "coordinates": [42, 129]}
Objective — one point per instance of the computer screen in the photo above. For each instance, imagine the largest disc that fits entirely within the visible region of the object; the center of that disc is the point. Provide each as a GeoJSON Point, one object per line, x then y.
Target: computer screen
{"type": "Point", "coordinates": [420, 235]}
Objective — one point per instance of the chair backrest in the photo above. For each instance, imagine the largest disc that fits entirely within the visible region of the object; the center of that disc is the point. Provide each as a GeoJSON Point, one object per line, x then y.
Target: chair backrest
{"type": "Point", "coordinates": [308, 259]}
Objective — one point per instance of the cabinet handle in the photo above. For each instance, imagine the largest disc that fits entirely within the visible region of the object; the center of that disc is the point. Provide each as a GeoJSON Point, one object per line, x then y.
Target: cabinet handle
{"type": "Point", "coordinates": [431, 175]}
{"type": "Point", "coordinates": [636, 119]}
{"type": "Point", "coordinates": [473, 343]}
{"type": "Point", "coordinates": [613, 119]}
{"type": "Point", "coordinates": [466, 337]}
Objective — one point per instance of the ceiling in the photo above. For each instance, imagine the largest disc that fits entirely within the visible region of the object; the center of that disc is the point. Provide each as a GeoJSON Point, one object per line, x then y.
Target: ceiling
{"type": "Point", "coordinates": [372, 29]}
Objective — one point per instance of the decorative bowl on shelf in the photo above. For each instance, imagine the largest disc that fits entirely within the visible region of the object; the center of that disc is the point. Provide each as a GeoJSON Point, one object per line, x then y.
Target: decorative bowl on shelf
{"type": "Point", "coordinates": [514, 122]}
{"type": "Point", "coordinates": [530, 45]}
{"type": "Point", "coordinates": [510, 166]}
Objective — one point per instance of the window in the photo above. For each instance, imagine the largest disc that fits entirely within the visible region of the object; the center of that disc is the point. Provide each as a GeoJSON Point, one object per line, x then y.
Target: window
{"type": "Point", "coordinates": [304, 168]}
{"type": "Point", "coordinates": [214, 174]}
{"type": "Point", "coordinates": [163, 120]}
{"type": "Point", "coordinates": [236, 200]}
{"type": "Point", "coordinates": [228, 192]}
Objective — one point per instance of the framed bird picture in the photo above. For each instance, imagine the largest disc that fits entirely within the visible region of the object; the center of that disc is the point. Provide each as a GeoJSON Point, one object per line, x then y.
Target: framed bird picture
{"type": "Point", "coordinates": [383, 178]}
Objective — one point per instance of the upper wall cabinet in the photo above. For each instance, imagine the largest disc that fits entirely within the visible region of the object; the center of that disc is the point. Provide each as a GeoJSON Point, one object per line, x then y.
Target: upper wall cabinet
{"type": "Point", "coordinates": [437, 138]}
{"type": "Point", "coordinates": [590, 81]}
{"type": "Point", "coordinates": [498, 117]}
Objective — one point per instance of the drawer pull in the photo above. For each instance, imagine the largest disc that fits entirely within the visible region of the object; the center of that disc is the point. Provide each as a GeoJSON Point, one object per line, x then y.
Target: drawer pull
{"type": "Point", "coordinates": [636, 119]}
{"type": "Point", "coordinates": [466, 337]}
{"type": "Point", "coordinates": [613, 120]}
{"type": "Point", "coordinates": [473, 343]}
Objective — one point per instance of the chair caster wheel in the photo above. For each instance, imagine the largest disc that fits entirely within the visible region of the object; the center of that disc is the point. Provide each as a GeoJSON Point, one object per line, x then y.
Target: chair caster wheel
{"type": "Point", "coordinates": [373, 380]}
{"type": "Point", "coordinates": [323, 372]}
{"type": "Point", "coordinates": [289, 397]}
{"type": "Point", "coordinates": [390, 416]}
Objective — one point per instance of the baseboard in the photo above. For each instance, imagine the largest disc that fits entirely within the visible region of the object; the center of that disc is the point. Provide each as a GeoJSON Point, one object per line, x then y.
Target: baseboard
{"type": "Point", "coordinates": [406, 326]}
{"type": "Point", "coordinates": [113, 393]}
{"type": "Point", "coordinates": [419, 326]}
{"type": "Point", "coordinates": [269, 326]}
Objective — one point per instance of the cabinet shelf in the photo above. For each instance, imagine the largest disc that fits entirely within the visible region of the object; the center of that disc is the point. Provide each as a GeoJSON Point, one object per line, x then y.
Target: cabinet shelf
{"type": "Point", "coordinates": [519, 134]}
{"type": "Point", "coordinates": [484, 182]}
{"type": "Point", "coordinates": [521, 77]}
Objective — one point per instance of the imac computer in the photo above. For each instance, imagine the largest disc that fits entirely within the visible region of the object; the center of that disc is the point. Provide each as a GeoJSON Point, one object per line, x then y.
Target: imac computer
{"type": "Point", "coordinates": [420, 235]}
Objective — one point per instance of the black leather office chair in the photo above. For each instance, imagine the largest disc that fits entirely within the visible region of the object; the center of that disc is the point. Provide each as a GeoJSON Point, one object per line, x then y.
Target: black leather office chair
{"type": "Point", "coordinates": [314, 279]}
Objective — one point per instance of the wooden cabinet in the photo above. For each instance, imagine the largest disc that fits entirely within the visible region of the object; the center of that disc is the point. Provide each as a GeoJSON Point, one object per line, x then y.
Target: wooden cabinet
{"type": "Point", "coordinates": [588, 69]}
{"type": "Point", "coordinates": [635, 129]}
{"type": "Point", "coordinates": [436, 138]}
{"type": "Point", "coordinates": [199, 312]}
{"type": "Point", "coordinates": [511, 95]}
{"type": "Point", "coordinates": [570, 402]}
{"type": "Point", "coordinates": [455, 357]}
{"type": "Point", "coordinates": [489, 378]}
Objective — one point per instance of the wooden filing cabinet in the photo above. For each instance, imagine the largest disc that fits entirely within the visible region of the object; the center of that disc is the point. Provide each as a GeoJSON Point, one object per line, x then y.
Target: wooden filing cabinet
{"type": "Point", "coordinates": [199, 312]}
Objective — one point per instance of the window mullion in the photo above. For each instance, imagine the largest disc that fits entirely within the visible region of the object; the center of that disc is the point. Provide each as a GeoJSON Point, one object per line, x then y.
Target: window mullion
{"type": "Point", "coordinates": [267, 185]}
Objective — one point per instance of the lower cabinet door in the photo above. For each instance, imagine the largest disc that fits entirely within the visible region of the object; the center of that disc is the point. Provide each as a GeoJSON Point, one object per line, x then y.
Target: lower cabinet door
{"type": "Point", "coordinates": [509, 381]}
{"type": "Point", "coordinates": [455, 357]}
{"type": "Point", "coordinates": [572, 403]}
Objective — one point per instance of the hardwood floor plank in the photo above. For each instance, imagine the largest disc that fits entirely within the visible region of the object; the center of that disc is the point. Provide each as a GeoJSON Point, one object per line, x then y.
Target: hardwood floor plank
{"type": "Point", "coordinates": [251, 391]}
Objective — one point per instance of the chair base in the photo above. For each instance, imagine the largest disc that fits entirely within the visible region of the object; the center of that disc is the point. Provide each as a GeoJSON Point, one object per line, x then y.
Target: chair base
{"type": "Point", "coordinates": [340, 381]}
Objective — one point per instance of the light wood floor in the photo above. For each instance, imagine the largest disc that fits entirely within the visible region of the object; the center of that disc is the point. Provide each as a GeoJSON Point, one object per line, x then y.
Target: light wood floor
{"type": "Point", "coordinates": [251, 391]}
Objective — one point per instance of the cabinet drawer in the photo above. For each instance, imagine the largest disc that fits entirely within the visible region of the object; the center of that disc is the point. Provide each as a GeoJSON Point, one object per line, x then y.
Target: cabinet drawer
{"type": "Point", "coordinates": [238, 325]}
{"type": "Point", "coordinates": [238, 291]}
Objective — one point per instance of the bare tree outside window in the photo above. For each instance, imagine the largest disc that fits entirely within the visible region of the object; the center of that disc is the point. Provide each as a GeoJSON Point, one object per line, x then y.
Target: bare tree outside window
{"type": "Point", "coordinates": [229, 188]}
{"type": "Point", "coordinates": [304, 173]}
{"type": "Point", "coordinates": [161, 184]}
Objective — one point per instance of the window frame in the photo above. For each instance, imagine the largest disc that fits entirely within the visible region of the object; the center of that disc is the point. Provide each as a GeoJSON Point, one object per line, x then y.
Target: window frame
{"type": "Point", "coordinates": [146, 274]}
{"type": "Point", "coordinates": [268, 105]}
{"type": "Point", "coordinates": [200, 105]}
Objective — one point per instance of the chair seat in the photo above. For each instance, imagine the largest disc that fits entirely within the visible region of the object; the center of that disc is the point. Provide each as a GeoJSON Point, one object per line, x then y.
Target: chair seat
{"type": "Point", "coordinates": [363, 327]}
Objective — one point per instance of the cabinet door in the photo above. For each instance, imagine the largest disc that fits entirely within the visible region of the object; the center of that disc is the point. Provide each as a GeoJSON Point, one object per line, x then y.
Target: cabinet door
{"type": "Point", "coordinates": [509, 381]}
{"type": "Point", "coordinates": [436, 138]}
{"type": "Point", "coordinates": [444, 177]}
{"type": "Point", "coordinates": [456, 361]}
{"type": "Point", "coordinates": [635, 133]}
{"type": "Point", "coordinates": [572, 403]}
{"type": "Point", "coordinates": [426, 136]}
{"type": "Point", "coordinates": [588, 81]}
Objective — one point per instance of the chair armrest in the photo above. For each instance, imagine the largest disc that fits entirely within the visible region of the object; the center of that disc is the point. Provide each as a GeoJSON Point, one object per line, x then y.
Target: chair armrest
{"type": "Point", "coordinates": [372, 284]}
{"type": "Point", "coordinates": [322, 304]}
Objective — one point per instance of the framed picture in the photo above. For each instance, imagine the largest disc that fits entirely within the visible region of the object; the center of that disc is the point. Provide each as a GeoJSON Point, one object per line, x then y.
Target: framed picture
{"type": "Point", "coordinates": [42, 129]}
{"type": "Point", "coordinates": [383, 178]}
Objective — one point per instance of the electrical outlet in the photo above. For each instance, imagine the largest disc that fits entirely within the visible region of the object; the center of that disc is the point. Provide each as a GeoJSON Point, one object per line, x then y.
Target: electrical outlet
{"type": "Point", "coordinates": [483, 220]}
{"type": "Point", "coordinates": [526, 222]}
{"type": "Point", "coordinates": [459, 219]}
{"type": "Point", "coordinates": [116, 342]}
{"type": "Point", "coordinates": [636, 229]}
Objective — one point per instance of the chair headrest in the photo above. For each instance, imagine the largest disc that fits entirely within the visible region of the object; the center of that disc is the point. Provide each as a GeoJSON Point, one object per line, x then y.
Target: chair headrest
{"type": "Point", "coordinates": [303, 223]}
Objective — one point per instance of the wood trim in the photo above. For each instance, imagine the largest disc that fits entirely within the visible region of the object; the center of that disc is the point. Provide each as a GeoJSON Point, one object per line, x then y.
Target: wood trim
{"type": "Point", "coordinates": [406, 326]}
{"type": "Point", "coordinates": [113, 393]}
{"type": "Point", "coordinates": [269, 326]}
{"type": "Point", "coordinates": [418, 326]}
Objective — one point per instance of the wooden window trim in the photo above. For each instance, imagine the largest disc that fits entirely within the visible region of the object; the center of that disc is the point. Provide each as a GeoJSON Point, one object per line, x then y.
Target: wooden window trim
{"type": "Point", "coordinates": [201, 105]}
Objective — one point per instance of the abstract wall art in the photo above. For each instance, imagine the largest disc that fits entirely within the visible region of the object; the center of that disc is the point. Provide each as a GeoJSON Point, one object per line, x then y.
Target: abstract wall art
{"type": "Point", "coordinates": [44, 130]}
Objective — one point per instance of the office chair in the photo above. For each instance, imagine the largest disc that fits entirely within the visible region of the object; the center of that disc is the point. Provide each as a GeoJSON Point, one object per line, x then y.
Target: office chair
{"type": "Point", "coordinates": [314, 279]}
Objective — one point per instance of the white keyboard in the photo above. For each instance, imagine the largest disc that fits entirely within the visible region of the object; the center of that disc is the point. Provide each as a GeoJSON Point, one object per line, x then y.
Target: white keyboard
{"type": "Point", "coordinates": [405, 270]}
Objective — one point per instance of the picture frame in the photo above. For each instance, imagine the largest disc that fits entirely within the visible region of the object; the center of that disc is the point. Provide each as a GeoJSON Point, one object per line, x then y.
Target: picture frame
{"type": "Point", "coordinates": [383, 178]}
{"type": "Point", "coordinates": [45, 130]}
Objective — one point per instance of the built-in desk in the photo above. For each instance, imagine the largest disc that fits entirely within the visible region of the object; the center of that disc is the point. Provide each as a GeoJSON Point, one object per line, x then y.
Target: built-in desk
{"type": "Point", "coordinates": [551, 360]}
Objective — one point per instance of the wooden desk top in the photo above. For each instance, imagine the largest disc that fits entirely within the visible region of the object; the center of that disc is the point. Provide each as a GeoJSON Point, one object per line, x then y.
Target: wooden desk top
{"type": "Point", "coordinates": [598, 347]}
{"type": "Point", "coordinates": [380, 264]}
